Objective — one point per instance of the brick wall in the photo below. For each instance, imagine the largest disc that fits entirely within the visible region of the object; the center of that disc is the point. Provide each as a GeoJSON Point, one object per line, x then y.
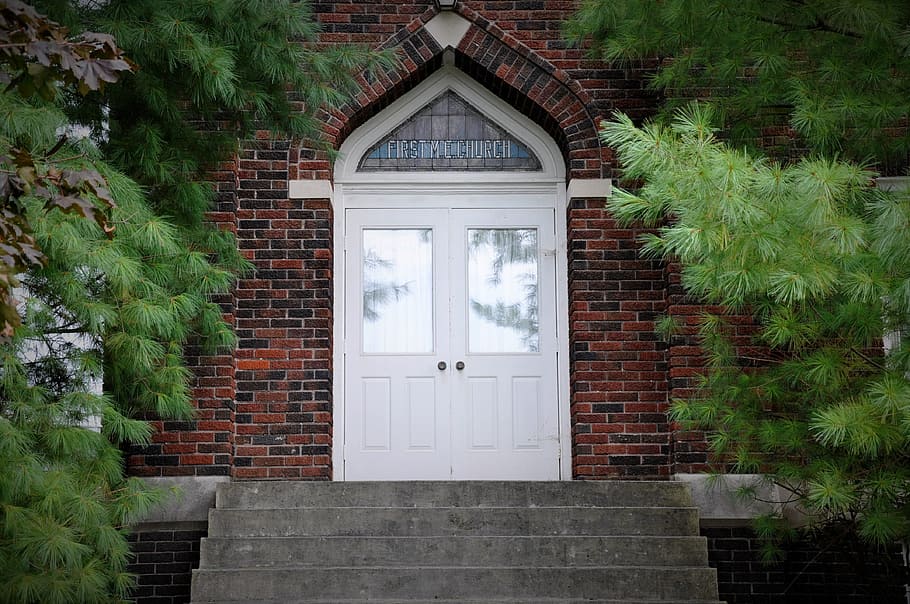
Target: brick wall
{"type": "Point", "coordinates": [685, 364]}
{"type": "Point", "coordinates": [516, 49]}
{"type": "Point", "coordinates": [618, 366]}
{"type": "Point", "coordinates": [283, 418]}
{"type": "Point", "coordinates": [809, 573]}
{"type": "Point", "coordinates": [266, 411]}
{"type": "Point", "coordinates": [163, 561]}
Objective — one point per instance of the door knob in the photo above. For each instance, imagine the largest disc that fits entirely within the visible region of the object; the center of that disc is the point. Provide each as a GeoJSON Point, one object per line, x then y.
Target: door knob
{"type": "Point", "coordinates": [441, 365]}
{"type": "Point", "coordinates": [459, 365]}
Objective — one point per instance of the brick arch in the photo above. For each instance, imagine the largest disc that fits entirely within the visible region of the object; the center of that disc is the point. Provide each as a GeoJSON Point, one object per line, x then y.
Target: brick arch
{"type": "Point", "coordinates": [538, 90]}
{"type": "Point", "coordinates": [508, 69]}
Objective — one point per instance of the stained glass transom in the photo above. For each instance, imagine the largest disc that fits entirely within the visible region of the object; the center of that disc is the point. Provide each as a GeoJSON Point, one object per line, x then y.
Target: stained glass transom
{"type": "Point", "coordinates": [449, 134]}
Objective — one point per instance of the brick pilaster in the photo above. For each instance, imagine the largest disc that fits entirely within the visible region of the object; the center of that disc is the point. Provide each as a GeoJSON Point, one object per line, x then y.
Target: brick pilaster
{"type": "Point", "coordinates": [618, 365]}
{"type": "Point", "coordinates": [283, 416]}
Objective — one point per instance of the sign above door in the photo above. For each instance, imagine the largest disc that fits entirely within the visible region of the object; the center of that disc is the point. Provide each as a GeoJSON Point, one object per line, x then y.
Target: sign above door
{"type": "Point", "coordinates": [448, 134]}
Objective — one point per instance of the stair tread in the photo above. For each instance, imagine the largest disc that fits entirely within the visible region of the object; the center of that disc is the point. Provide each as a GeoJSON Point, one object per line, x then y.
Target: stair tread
{"type": "Point", "coordinates": [460, 507]}
{"type": "Point", "coordinates": [468, 583]}
{"type": "Point", "coordinates": [385, 567]}
{"type": "Point", "coordinates": [442, 521]}
{"type": "Point", "coordinates": [446, 542]}
{"type": "Point", "coordinates": [254, 494]}
{"type": "Point", "coordinates": [460, 537]}
{"type": "Point", "coordinates": [457, 550]}
{"type": "Point", "coordinates": [438, 601]}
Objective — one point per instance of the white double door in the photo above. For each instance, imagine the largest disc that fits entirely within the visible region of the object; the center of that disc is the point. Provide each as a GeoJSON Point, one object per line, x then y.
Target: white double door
{"type": "Point", "coordinates": [450, 345]}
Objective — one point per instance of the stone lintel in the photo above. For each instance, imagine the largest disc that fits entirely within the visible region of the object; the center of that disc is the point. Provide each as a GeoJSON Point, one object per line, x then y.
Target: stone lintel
{"type": "Point", "coordinates": [719, 504]}
{"type": "Point", "coordinates": [589, 188]}
{"type": "Point", "coordinates": [311, 189]}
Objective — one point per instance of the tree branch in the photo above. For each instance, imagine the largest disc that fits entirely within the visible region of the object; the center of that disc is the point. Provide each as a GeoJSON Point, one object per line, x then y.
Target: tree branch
{"type": "Point", "coordinates": [819, 25]}
{"type": "Point", "coordinates": [867, 358]}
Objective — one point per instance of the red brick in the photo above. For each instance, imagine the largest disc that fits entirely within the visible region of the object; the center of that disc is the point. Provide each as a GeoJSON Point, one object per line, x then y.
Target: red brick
{"type": "Point", "coordinates": [614, 293]}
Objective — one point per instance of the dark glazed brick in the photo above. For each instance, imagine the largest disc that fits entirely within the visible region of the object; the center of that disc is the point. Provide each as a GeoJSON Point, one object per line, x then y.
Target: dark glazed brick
{"type": "Point", "coordinates": [606, 395]}
{"type": "Point", "coordinates": [167, 580]}
{"type": "Point", "coordinates": [810, 572]}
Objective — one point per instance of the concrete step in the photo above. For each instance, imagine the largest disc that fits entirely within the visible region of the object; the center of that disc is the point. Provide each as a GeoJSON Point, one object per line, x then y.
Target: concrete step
{"type": "Point", "coordinates": [467, 542]}
{"type": "Point", "coordinates": [484, 601]}
{"type": "Point", "coordinates": [457, 583]}
{"type": "Point", "coordinates": [278, 494]}
{"type": "Point", "coordinates": [287, 552]}
{"type": "Point", "coordinates": [442, 521]}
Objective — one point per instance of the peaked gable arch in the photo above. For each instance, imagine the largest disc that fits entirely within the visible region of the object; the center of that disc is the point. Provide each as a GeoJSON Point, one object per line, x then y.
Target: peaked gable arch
{"type": "Point", "coordinates": [450, 80]}
{"type": "Point", "coordinates": [548, 96]}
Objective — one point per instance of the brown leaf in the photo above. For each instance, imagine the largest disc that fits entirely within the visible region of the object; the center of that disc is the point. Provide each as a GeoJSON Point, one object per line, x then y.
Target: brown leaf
{"type": "Point", "coordinates": [71, 204]}
{"type": "Point", "coordinates": [96, 71]}
{"type": "Point", "coordinates": [21, 157]}
{"type": "Point", "coordinates": [32, 255]}
{"type": "Point", "coordinates": [41, 51]}
{"type": "Point", "coordinates": [104, 40]}
{"type": "Point", "coordinates": [102, 193]}
{"type": "Point", "coordinates": [9, 316]}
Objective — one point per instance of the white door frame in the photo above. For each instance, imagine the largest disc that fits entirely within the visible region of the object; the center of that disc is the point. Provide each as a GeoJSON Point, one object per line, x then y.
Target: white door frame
{"type": "Point", "coordinates": [542, 189]}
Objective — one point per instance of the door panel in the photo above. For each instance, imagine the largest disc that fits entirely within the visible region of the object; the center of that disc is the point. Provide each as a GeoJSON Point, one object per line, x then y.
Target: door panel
{"type": "Point", "coordinates": [503, 289]}
{"type": "Point", "coordinates": [376, 423]}
{"type": "Point", "coordinates": [396, 321]}
{"type": "Point", "coordinates": [474, 289]}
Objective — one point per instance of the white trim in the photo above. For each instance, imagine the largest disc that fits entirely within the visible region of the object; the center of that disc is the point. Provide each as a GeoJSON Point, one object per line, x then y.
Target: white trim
{"type": "Point", "coordinates": [580, 188]}
{"type": "Point", "coordinates": [546, 188]}
{"type": "Point", "coordinates": [562, 335]}
{"type": "Point", "coordinates": [468, 194]}
{"type": "Point", "coordinates": [448, 29]}
{"type": "Point", "coordinates": [310, 189]}
{"type": "Point", "coordinates": [449, 78]}
{"type": "Point", "coordinates": [338, 313]}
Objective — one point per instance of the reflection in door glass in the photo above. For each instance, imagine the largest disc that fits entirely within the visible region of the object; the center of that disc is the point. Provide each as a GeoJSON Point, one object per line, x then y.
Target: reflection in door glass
{"type": "Point", "coordinates": [502, 290]}
{"type": "Point", "coordinates": [397, 290]}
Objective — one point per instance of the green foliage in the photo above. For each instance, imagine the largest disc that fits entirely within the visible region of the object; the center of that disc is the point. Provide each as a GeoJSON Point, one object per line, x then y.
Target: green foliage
{"type": "Point", "coordinates": [64, 501]}
{"type": "Point", "coordinates": [835, 70]}
{"type": "Point", "coordinates": [212, 72]}
{"type": "Point", "coordinates": [819, 405]}
{"type": "Point", "coordinates": [117, 299]}
{"type": "Point", "coordinates": [810, 247]}
{"type": "Point", "coordinates": [37, 58]}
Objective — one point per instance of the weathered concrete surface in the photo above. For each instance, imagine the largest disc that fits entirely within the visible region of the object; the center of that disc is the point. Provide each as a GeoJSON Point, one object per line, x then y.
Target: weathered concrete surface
{"type": "Point", "coordinates": [476, 542]}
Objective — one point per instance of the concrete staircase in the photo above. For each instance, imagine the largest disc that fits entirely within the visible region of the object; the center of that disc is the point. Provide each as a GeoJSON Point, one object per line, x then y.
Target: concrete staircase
{"type": "Point", "coordinates": [480, 542]}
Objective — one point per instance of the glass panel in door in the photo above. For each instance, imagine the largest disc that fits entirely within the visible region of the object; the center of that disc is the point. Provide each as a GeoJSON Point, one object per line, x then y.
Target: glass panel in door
{"type": "Point", "coordinates": [397, 290]}
{"type": "Point", "coordinates": [502, 290]}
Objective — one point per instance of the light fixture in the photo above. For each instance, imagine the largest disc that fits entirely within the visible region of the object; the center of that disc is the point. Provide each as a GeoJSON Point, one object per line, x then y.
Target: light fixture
{"type": "Point", "coordinates": [445, 4]}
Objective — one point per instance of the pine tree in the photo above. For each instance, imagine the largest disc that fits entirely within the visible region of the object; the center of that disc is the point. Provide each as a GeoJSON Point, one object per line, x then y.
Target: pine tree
{"type": "Point", "coordinates": [836, 71]}
{"type": "Point", "coordinates": [118, 288]}
{"type": "Point", "coordinates": [820, 402]}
